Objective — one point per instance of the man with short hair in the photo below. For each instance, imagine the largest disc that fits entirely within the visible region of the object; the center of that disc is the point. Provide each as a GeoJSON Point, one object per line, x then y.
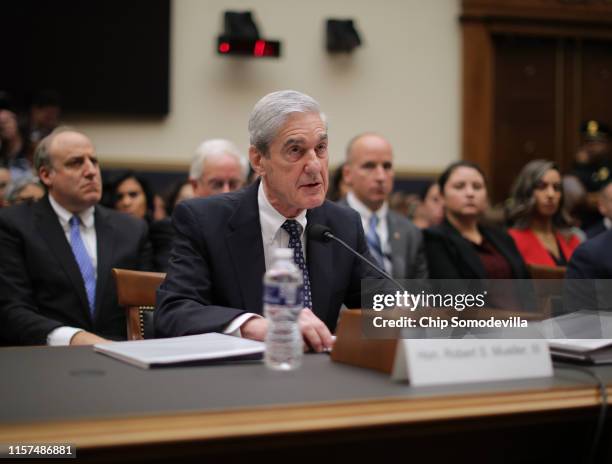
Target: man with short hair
{"type": "Point", "coordinates": [604, 205]}
{"type": "Point", "coordinates": [57, 254]}
{"type": "Point", "coordinates": [395, 243]}
{"type": "Point", "coordinates": [217, 167]}
{"type": "Point", "coordinates": [225, 243]}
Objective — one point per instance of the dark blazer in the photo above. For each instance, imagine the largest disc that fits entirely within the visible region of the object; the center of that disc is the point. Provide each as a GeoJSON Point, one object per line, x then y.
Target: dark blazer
{"type": "Point", "coordinates": [596, 229]}
{"type": "Point", "coordinates": [591, 264]}
{"type": "Point", "coordinates": [217, 264]}
{"type": "Point", "coordinates": [41, 287]}
{"type": "Point", "coordinates": [592, 259]}
{"type": "Point", "coordinates": [408, 259]}
{"type": "Point", "coordinates": [450, 256]}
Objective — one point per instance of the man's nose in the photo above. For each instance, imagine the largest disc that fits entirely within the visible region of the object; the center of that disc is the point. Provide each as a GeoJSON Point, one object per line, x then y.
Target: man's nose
{"type": "Point", "coordinates": [226, 187]}
{"type": "Point", "coordinates": [313, 163]}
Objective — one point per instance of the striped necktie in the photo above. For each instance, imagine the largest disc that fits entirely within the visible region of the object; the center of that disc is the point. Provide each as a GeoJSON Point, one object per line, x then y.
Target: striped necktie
{"type": "Point", "coordinates": [373, 240]}
{"type": "Point", "coordinates": [84, 261]}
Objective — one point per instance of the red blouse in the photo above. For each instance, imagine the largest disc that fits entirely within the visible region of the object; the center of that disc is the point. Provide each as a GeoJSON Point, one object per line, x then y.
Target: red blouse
{"type": "Point", "coordinates": [532, 250]}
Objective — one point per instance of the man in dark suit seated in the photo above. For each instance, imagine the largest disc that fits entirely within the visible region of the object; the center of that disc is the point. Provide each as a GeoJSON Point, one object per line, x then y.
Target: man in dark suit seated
{"type": "Point", "coordinates": [225, 243]}
{"type": "Point", "coordinates": [588, 273]}
{"type": "Point", "coordinates": [394, 241]}
{"type": "Point", "coordinates": [57, 254]}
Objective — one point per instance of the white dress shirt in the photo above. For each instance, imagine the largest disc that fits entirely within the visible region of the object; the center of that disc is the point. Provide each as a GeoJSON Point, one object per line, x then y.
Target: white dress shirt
{"type": "Point", "coordinates": [63, 335]}
{"type": "Point", "coordinates": [273, 237]}
{"type": "Point", "coordinates": [382, 228]}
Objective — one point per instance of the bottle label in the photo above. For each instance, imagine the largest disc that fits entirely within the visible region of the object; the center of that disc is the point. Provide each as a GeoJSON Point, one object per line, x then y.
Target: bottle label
{"type": "Point", "coordinates": [289, 295]}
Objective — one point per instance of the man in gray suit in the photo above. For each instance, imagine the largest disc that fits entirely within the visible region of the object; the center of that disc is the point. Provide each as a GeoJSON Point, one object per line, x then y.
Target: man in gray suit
{"type": "Point", "coordinates": [395, 243]}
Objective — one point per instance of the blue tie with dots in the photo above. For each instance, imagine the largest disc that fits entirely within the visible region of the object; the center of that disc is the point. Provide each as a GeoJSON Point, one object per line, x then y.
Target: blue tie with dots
{"type": "Point", "coordinates": [294, 229]}
{"type": "Point", "coordinates": [84, 261]}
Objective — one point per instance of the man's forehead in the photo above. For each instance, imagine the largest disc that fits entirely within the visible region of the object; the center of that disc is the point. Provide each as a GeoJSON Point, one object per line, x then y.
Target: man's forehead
{"type": "Point", "coordinates": [69, 142]}
{"type": "Point", "coordinates": [222, 161]}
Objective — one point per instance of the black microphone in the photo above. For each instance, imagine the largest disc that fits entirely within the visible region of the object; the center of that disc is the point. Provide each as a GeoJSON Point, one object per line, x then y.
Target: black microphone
{"type": "Point", "coordinates": [322, 233]}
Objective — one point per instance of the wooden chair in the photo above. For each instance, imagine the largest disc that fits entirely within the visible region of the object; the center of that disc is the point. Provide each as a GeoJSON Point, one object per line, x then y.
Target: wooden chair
{"type": "Point", "coordinates": [546, 272]}
{"type": "Point", "coordinates": [549, 287]}
{"type": "Point", "coordinates": [136, 293]}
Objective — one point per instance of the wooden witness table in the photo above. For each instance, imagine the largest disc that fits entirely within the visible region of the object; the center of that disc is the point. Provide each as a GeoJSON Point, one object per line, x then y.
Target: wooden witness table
{"type": "Point", "coordinates": [112, 411]}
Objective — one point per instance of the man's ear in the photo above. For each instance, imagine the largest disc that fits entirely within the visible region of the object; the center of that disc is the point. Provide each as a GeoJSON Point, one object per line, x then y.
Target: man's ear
{"type": "Point", "coordinates": [255, 157]}
{"type": "Point", "coordinates": [44, 174]}
{"type": "Point", "coordinates": [346, 175]}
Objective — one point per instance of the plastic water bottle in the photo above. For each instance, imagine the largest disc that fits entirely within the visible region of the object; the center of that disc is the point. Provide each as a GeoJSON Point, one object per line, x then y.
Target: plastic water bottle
{"type": "Point", "coordinates": [282, 305]}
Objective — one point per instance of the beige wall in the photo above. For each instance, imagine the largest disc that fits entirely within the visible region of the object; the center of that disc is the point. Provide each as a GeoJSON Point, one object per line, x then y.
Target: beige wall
{"type": "Point", "coordinates": [404, 82]}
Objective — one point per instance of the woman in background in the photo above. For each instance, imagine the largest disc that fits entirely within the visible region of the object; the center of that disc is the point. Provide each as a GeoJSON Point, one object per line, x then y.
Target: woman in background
{"type": "Point", "coordinates": [541, 228]}
{"type": "Point", "coordinates": [130, 193]}
{"type": "Point", "coordinates": [461, 247]}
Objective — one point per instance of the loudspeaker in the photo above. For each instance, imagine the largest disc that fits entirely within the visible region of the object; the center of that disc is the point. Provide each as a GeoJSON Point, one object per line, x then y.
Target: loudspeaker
{"type": "Point", "coordinates": [341, 35]}
{"type": "Point", "coordinates": [240, 25]}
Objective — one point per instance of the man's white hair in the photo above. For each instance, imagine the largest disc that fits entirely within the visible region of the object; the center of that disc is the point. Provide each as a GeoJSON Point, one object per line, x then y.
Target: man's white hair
{"type": "Point", "coordinates": [215, 149]}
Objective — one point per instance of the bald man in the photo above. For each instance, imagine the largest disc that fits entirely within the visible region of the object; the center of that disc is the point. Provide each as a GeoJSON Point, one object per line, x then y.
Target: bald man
{"type": "Point", "coordinates": [57, 254]}
{"type": "Point", "coordinates": [395, 243]}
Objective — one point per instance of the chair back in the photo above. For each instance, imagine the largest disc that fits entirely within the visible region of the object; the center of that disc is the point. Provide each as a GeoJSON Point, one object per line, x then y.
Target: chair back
{"type": "Point", "coordinates": [136, 293]}
{"type": "Point", "coordinates": [548, 285]}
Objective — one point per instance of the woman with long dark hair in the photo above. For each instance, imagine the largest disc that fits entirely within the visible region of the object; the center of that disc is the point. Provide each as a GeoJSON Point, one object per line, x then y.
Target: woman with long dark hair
{"type": "Point", "coordinates": [541, 228]}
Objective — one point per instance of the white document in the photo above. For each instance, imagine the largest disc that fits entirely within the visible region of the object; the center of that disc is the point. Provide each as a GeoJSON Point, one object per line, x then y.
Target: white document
{"type": "Point", "coordinates": [449, 361]}
{"type": "Point", "coordinates": [166, 351]}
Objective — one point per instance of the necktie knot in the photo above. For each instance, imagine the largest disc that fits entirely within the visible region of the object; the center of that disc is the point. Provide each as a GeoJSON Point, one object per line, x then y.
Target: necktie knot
{"type": "Point", "coordinates": [293, 228]}
{"type": "Point", "coordinates": [373, 221]}
{"type": "Point", "coordinates": [74, 221]}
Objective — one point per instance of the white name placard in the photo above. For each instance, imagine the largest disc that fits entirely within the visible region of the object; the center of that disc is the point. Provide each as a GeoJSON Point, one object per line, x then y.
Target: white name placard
{"type": "Point", "coordinates": [448, 361]}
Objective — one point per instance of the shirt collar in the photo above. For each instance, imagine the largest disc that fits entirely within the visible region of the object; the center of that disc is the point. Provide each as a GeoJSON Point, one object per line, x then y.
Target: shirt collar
{"type": "Point", "coordinates": [86, 216]}
{"type": "Point", "coordinates": [607, 223]}
{"type": "Point", "coordinates": [363, 210]}
{"type": "Point", "coordinates": [270, 219]}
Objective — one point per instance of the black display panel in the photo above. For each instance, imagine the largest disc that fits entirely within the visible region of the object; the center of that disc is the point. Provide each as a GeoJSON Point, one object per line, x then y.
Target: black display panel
{"type": "Point", "coordinates": [102, 56]}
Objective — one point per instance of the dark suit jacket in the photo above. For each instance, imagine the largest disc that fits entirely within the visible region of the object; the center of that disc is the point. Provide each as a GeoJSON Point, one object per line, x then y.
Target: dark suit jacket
{"type": "Point", "coordinates": [217, 264]}
{"type": "Point", "coordinates": [596, 229]}
{"type": "Point", "coordinates": [450, 256]}
{"type": "Point", "coordinates": [408, 259]}
{"type": "Point", "coordinates": [592, 259]}
{"type": "Point", "coordinates": [591, 264]}
{"type": "Point", "coordinates": [41, 287]}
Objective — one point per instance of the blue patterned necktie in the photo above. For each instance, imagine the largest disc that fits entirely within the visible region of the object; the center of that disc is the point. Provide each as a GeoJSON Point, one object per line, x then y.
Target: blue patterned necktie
{"type": "Point", "coordinates": [373, 240]}
{"type": "Point", "coordinates": [294, 230]}
{"type": "Point", "coordinates": [84, 261]}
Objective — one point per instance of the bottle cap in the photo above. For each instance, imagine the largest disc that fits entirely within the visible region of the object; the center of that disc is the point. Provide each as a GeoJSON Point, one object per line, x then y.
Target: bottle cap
{"type": "Point", "coordinates": [283, 253]}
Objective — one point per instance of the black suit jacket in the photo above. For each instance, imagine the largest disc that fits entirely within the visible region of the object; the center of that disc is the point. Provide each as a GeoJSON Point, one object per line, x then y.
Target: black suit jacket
{"type": "Point", "coordinates": [217, 264]}
{"type": "Point", "coordinates": [41, 287]}
{"type": "Point", "coordinates": [588, 271]}
{"type": "Point", "coordinates": [450, 256]}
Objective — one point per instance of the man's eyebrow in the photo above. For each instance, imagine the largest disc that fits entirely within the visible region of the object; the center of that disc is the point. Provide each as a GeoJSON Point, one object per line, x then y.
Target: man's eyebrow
{"type": "Point", "coordinates": [323, 138]}
{"type": "Point", "coordinates": [294, 141]}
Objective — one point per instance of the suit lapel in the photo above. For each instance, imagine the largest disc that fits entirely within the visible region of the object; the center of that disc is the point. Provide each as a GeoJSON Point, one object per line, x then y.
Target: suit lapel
{"type": "Point", "coordinates": [320, 264]}
{"type": "Point", "coordinates": [105, 248]}
{"type": "Point", "coordinates": [465, 250]}
{"type": "Point", "coordinates": [245, 247]}
{"type": "Point", "coordinates": [56, 240]}
{"type": "Point", "coordinates": [397, 243]}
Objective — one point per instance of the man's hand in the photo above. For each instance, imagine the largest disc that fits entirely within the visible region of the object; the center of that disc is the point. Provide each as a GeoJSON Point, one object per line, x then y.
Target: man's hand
{"type": "Point", "coordinates": [255, 328]}
{"type": "Point", "coordinates": [314, 331]}
{"type": "Point", "coordinates": [86, 338]}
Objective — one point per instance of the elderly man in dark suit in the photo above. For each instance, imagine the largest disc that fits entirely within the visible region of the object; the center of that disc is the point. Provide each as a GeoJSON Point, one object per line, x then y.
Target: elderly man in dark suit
{"type": "Point", "coordinates": [225, 243]}
{"type": "Point", "coordinates": [57, 254]}
{"type": "Point", "coordinates": [394, 241]}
